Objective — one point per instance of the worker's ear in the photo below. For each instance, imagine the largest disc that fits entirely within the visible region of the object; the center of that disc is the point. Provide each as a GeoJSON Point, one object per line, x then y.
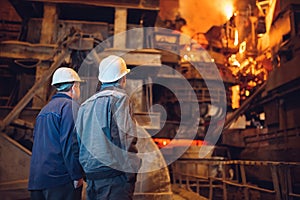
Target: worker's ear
{"type": "Point", "coordinates": [75, 90]}
{"type": "Point", "coordinates": [123, 81]}
{"type": "Point", "coordinates": [72, 89]}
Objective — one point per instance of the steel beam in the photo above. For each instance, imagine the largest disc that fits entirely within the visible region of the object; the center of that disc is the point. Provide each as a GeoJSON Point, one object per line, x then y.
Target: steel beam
{"type": "Point", "coordinates": [154, 5]}
{"type": "Point", "coordinates": [29, 95]}
{"type": "Point", "coordinates": [25, 50]}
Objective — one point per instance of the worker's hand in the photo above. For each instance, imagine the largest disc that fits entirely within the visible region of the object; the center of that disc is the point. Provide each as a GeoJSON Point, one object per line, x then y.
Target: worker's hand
{"type": "Point", "coordinates": [78, 183]}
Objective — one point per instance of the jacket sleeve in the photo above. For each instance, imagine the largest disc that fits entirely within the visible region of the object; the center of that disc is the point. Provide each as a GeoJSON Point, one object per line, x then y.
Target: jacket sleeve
{"type": "Point", "coordinates": [68, 141]}
{"type": "Point", "coordinates": [123, 115]}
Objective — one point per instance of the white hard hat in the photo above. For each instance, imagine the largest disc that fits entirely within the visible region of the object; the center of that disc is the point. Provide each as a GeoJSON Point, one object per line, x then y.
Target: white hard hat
{"type": "Point", "coordinates": [65, 75]}
{"type": "Point", "coordinates": [111, 69]}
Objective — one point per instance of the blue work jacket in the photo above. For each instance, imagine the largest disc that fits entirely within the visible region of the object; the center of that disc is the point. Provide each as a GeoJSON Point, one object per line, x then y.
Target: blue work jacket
{"type": "Point", "coordinates": [54, 160]}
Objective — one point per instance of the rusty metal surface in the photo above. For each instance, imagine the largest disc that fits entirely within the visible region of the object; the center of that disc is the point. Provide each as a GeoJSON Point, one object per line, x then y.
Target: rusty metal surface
{"type": "Point", "coordinates": [25, 100]}
{"type": "Point", "coordinates": [140, 4]}
{"type": "Point", "coordinates": [99, 30]}
{"type": "Point", "coordinates": [25, 50]}
{"type": "Point", "coordinates": [153, 181]}
{"type": "Point", "coordinates": [286, 73]}
{"type": "Point", "coordinates": [151, 57]}
{"type": "Point", "coordinates": [14, 169]}
{"type": "Point", "coordinates": [284, 187]}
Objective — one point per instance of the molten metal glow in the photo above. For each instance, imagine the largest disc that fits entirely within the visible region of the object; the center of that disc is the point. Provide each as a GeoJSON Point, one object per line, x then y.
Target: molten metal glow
{"type": "Point", "coordinates": [164, 143]}
{"type": "Point", "coordinates": [236, 37]}
{"type": "Point", "coordinates": [247, 93]}
{"type": "Point", "coordinates": [200, 15]}
{"type": "Point", "coordinates": [235, 98]}
{"type": "Point", "coordinates": [228, 11]}
{"type": "Point", "coordinates": [243, 47]}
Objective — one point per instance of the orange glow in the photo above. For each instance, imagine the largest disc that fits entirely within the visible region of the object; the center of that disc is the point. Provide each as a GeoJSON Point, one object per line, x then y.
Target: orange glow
{"type": "Point", "coordinates": [235, 99]}
{"type": "Point", "coordinates": [247, 93]}
{"type": "Point", "coordinates": [163, 142]}
{"type": "Point", "coordinates": [252, 84]}
{"type": "Point", "coordinates": [228, 9]}
{"type": "Point", "coordinates": [236, 37]}
{"type": "Point", "coordinates": [202, 15]}
{"type": "Point", "coordinates": [186, 30]}
{"type": "Point", "coordinates": [242, 48]}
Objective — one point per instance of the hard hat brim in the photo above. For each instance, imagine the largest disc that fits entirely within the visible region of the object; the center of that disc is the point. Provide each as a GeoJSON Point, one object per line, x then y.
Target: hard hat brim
{"type": "Point", "coordinates": [115, 79]}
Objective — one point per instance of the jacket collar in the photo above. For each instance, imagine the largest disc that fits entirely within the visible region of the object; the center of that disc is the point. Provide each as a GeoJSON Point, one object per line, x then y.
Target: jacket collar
{"type": "Point", "coordinates": [61, 95]}
{"type": "Point", "coordinates": [111, 86]}
{"type": "Point", "coordinates": [106, 85]}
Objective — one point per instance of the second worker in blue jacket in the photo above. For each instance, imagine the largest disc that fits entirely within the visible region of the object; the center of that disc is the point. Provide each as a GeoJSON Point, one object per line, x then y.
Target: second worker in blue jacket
{"type": "Point", "coordinates": [55, 172]}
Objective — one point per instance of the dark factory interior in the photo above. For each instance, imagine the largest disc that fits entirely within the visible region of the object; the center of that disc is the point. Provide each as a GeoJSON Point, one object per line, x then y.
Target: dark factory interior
{"type": "Point", "coordinates": [214, 87]}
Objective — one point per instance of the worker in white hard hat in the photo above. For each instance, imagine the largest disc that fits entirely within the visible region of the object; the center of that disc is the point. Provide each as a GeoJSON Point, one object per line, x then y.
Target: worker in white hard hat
{"type": "Point", "coordinates": [107, 136]}
{"type": "Point", "coordinates": [55, 171]}
{"type": "Point", "coordinates": [67, 80]}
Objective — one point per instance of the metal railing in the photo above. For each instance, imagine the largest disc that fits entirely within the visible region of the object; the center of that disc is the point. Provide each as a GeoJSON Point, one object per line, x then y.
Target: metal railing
{"type": "Point", "coordinates": [207, 173]}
